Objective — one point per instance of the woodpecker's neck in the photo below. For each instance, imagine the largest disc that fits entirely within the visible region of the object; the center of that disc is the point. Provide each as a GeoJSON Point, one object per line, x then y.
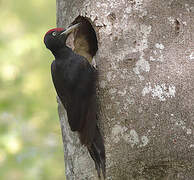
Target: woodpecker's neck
{"type": "Point", "coordinates": [62, 53]}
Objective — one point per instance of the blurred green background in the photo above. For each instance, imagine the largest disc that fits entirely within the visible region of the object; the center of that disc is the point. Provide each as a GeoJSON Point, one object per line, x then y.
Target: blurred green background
{"type": "Point", "coordinates": [30, 137]}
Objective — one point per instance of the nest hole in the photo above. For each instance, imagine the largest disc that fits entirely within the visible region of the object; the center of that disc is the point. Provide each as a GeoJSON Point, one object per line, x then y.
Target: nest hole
{"type": "Point", "coordinates": [84, 38]}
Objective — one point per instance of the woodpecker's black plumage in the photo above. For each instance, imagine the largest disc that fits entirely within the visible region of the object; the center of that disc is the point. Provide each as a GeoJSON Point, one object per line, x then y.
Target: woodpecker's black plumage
{"type": "Point", "coordinates": [75, 79]}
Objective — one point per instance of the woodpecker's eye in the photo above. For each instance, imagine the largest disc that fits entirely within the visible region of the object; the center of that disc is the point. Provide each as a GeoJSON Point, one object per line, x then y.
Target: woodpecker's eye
{"type": "Point", "coordinates": [54, 33]}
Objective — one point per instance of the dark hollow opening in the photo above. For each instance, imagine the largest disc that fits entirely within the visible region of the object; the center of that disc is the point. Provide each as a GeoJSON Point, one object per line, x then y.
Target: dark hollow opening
{"type": "Point", "coordinates": [85, 40]}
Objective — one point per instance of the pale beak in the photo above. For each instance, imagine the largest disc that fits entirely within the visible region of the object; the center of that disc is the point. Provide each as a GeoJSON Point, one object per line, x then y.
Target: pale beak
{"type": "Point", "coordinates": [70, 29]}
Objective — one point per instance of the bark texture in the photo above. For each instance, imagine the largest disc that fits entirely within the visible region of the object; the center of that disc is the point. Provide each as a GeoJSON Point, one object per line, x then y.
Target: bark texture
{"type": "Point", "coordinates": [146, 88]}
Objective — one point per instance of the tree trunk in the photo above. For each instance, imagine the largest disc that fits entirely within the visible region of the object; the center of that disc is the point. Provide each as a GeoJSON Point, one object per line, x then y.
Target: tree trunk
{"type": "Point", "coordinates": [145, 60]}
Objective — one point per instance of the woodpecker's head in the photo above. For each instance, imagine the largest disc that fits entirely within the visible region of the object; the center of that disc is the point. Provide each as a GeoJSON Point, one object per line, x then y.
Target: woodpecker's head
{"type": "Point", "coordinates": [56, 38]}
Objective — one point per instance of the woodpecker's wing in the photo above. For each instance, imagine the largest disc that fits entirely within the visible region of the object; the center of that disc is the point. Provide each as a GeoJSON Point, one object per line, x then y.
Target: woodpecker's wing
{"type": "Point", "coordinates": [77, 92]}
{"type": "Point", "coordinates": [76, 88]}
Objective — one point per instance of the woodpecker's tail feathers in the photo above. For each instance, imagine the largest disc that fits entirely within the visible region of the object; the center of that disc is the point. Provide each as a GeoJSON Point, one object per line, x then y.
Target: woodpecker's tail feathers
{"type": "Point", "coordinates": [97, 152]}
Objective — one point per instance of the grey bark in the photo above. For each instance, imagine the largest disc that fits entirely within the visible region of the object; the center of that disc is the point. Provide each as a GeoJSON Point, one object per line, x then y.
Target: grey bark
{"type": "Point", "coordinates": [146, 88]}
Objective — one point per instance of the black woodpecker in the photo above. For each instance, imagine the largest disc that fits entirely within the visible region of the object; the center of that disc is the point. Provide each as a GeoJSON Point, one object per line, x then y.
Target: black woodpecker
{"type": "Point", "coordinates": [75, 79]}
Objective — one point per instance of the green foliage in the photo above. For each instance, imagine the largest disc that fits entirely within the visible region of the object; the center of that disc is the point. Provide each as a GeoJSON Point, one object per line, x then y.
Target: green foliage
{"type": "Point", "coordinates": [30, 138]}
